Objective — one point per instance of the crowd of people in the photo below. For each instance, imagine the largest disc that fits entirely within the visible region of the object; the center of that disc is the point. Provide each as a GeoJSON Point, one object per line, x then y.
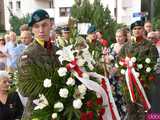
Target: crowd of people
{"type": "Point", "coordinates": [38, 44]}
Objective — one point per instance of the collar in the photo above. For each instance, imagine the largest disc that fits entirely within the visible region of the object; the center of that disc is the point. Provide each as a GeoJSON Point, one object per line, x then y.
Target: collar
{"type": "Point", "coordinates": [40, 41]}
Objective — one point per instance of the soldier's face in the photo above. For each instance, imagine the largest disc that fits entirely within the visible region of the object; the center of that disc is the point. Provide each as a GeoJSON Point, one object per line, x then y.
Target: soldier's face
{"type": "Point", "coordinates": [138, 31]}
{"type": "Point", "coordinates": [42, 29]}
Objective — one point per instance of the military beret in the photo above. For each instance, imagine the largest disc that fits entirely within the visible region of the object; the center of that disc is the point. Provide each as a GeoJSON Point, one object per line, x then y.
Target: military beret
{"type": "Point", "coordinates": [38, 16]}
{"type": "Point", "coordinates": [137, 23]}
{"type": "Point", "coordinates": [65, 29]}
{"type": "Point", "coordinates": [91, 29]}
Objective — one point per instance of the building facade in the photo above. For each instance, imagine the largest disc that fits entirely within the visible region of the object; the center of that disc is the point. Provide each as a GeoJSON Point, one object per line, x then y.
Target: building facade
{"type": "Point", "coordinates": [2, 20]}
{"type": "Point", "coordinates": [121, 10]}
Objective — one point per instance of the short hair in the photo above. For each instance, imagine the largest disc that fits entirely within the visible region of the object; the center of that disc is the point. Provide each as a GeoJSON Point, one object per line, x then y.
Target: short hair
{"type": "Point", "coordinates": [24, 27]}
{"type": "Point", "coordinates": [4, 74]}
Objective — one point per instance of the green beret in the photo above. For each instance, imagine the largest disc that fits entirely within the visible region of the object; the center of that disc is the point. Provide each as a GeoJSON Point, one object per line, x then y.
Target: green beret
{"type": "Point", "coordinates": [38, 16]}
{"type": "Point", "coordinates": [91, 29]}
{"type": "Point", "coordinates": [137, 23]}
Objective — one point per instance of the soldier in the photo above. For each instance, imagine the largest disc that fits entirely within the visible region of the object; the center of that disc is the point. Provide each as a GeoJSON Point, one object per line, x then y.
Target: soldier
{"type": "Point", "coordinates": [142, 48]}
{"type": "Point", "coordinates": [40, 53]}
{"type": "Point", "coordinates": [64, 40]}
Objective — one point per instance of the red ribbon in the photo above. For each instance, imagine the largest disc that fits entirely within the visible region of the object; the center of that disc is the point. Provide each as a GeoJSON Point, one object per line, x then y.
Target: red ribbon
{"type": "Point", "coordinates": [103, 82]}
{"type": "Point", "coordinates": [132, 81]}
{"type": "Point", "coordinates": [73, 66]}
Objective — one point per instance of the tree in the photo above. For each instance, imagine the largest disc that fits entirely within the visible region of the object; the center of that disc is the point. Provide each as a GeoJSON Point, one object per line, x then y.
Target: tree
{"type": "Point", "coordinates": [16, 22]}
{"type": "Point", "coordinates": [157, 8]}
{"type": "Point", "coordinates": [97, 15]}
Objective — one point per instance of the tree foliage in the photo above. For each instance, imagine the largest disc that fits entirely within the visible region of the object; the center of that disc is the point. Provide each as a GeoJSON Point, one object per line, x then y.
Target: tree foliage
{"type": "Point", "coordinates": [97, 15]}
{"type": "Point", "coordinates": [16, 22]}
{"type": "Point", "coordinates": [157, 8]}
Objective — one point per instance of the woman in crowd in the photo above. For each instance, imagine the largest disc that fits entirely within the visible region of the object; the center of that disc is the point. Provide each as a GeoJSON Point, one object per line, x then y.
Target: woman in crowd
{"type": "Point", "coordinates": [2, 54]}
{"type": "Point", "coordinates": [110, 58]}
{"type": "Point", "coordinates": [10, 105]}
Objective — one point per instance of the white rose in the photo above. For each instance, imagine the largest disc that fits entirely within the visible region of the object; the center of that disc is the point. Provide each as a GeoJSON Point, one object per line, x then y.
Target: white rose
{"type": "Point", "coordinates": [123, 71]}
{"type": "Point", "coordinates": [63, 92]}
{"type": "Point", "coordinates": [59, 106]}
{"type": "Point", "coordinates": [140, 66]}
{"type": "Point", "coordinates": [70, 81]}
{"type": "Point", "coordinates": [148, 60]}
{"type": "Point", "coordinates": [148, 69]}
{"type": "Point", "coordinates": [62, 71]}
{"type": "Point", "coordinates": [77, 104]}
{"type": "Point", "coordinates": [47, 83]}
{"type": "Point", "coordinates": [116, 65]}
{"type": "Point", "coordinates": [85, 75]}
{"type": "Point", "coordinates": [54, 115]}
{"type": "Point", "coordinates": [82, 89]}
{"type": "Point", "coordinates": [133, 59]}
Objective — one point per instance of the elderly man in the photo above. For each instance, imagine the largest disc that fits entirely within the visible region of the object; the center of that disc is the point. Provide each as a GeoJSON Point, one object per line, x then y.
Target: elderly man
{"type": "Point", "coordinates": [141, 48]}
{"type": "Point", "coordinates": [37, 57]}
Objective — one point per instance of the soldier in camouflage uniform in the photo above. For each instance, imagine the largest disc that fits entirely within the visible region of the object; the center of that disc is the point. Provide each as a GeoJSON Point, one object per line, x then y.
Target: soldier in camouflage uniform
{"type": "Point", "coordinates": [40, 53]}
{"type": "Point", "coordinates": [141, 48]}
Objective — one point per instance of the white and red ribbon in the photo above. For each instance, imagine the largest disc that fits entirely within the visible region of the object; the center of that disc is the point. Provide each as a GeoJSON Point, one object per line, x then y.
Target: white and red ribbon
{"type": "Point", "coordinates": [133, 80]}
{"type": "Point", "coordinates": [111, 112]}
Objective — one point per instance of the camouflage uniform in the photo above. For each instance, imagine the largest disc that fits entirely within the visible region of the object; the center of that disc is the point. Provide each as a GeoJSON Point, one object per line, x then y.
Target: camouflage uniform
{"type": "Point", "coordinates": [39, 56]}
{"type": "Point", "coordinates": [141, 50]}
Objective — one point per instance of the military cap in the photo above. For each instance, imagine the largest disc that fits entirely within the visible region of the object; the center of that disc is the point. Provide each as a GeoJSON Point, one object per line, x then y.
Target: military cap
{"type": "Point", "coordinates": [38, 16]}
{"type": "Point", "coordinates": [137, 23]}
{"type": "Point", "coordinates": [91, 29]}
{"type": "Point", "coordinates": [65, 29]}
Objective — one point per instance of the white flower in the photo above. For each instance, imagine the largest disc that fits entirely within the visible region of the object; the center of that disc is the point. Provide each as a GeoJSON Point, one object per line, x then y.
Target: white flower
{"type": "Point", "coordinates": [121, 63]}
{"type": "Point", "coordinates": [66, 54]}
{"type": "Point", "coordinates": [63, 92]}
{"type": "Point", "coordinates": [54, 116]}
{"type": "Point", "coordinates": [62, 71]}
{"type": "Point", "coordinates": [85, 75]}
{"type": "Point", "coordinates": [148, 60]}
{"type": "Point", "coordinates": [77, 104]}
{"type": "Point", "coordinates": [140, 66]}
{"type": "Point", "coordinates": [116, 65]}
{"type": "Point", "coordinates": [133, 59]}
{"type": "Point", "coordinates": [123, 71]}
{"type": "Point", "coordinates": [41, 102]}
{"type": "Point", "coordinates": [47, 83]}
{"type": "Point", "coordinates": [59, 106]}
{"type": "Point", "coordinates": [70, 81]}
{"type": "Point", "coordinates": [82, 89]}
{"type": "Point", "coordinates": [148, 69]}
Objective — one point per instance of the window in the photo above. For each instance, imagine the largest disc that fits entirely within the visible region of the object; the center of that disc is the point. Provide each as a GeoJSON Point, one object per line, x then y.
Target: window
{"type": "Point", "coordinates": [64, 11]}
{"type": "Point", "coordinates": [51, 4]}
{"type": "Point", "coordinates": [10, 5]}
{"type": "Point", "coordinates": [18, 4]}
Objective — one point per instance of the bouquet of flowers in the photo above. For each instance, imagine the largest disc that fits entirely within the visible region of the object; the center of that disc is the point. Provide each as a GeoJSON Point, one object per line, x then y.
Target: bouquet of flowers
{"type": "Point", "coordinates": [139, 75]}
{"type": "Point", "coordinates": [73, 95]}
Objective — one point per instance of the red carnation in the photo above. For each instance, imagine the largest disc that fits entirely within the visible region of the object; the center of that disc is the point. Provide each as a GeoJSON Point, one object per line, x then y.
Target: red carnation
{"type": "Point", "coordinates": [100, 117]}
{"type": "Point", "coordinates": [151, 77]}
{"type": "Point", "coordinates": [99, 101]}
{"type": "Point", "coordinates": [102, 111]}
{"type": "Point", "coordinates": [104, 42]}
{"type": "Point", "coordinates": [83, 116]}
{"type": "Point", "coordinates": [90, 115]}
{"type": "Point", "coordinates": [89, 103]}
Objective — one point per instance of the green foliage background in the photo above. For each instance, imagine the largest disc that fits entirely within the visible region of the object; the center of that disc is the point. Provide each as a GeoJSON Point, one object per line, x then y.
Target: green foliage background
{"type": "Point", "coordinates": [97, 15]}
{"type": "Point", "coordinates": [16, 22]}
